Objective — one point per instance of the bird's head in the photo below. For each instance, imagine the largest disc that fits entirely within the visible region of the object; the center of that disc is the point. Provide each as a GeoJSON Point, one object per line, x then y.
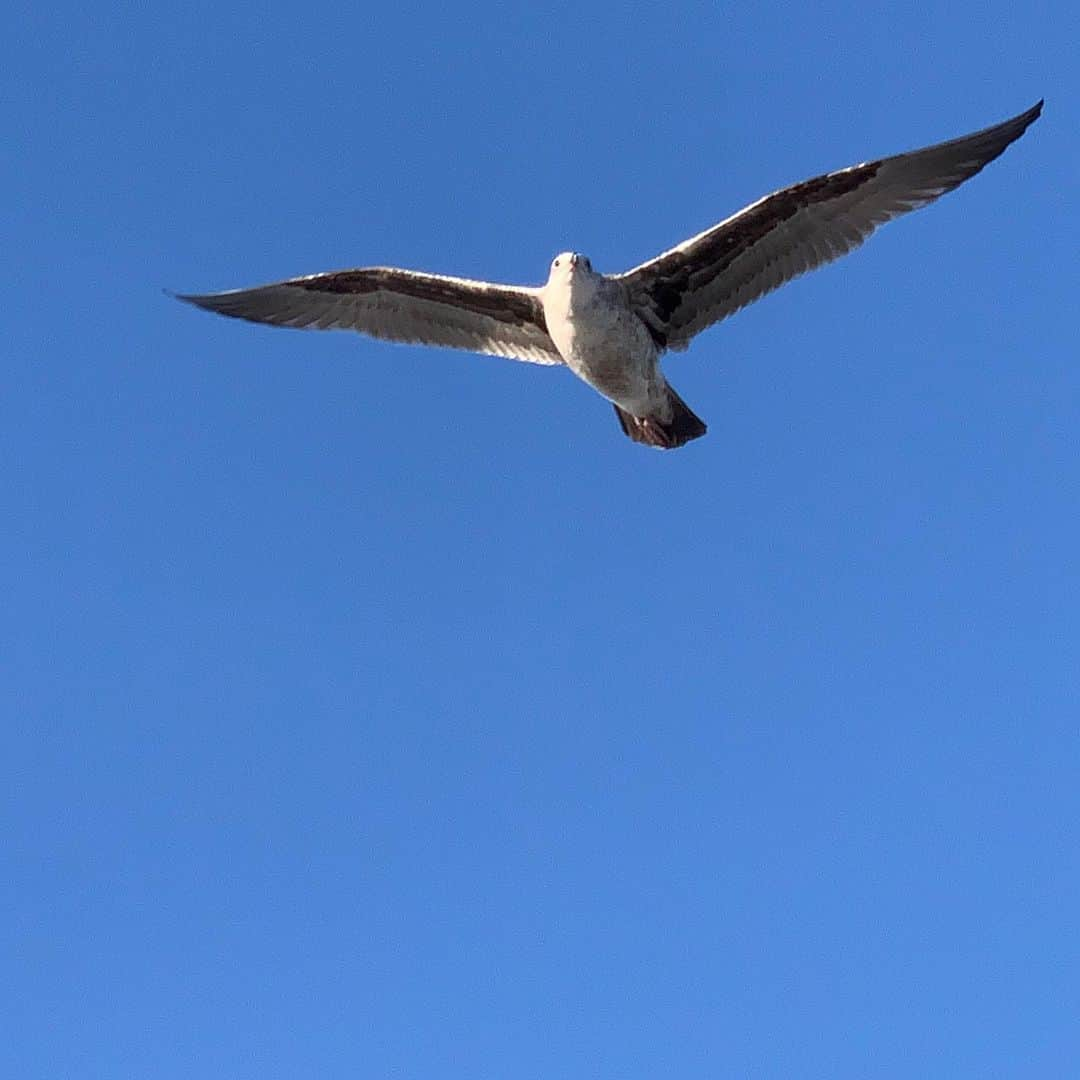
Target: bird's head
{"type": "Point", "coordinates": [569, 265]}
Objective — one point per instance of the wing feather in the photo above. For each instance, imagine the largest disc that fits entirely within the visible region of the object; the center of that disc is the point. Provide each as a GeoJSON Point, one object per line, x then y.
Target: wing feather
{"type": "Point", "coordinates": [400, 305]}
{"type": "Point", "coordinates": [798, 228]}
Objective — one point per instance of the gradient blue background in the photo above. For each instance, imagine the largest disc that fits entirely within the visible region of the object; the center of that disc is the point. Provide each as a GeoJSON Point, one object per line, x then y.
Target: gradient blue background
{"type": "Point", "coordinates": [383, 712]}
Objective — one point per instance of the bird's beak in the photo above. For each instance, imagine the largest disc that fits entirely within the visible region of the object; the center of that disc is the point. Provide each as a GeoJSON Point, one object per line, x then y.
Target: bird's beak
{"type": "Point", "coordinates": [573, 261]}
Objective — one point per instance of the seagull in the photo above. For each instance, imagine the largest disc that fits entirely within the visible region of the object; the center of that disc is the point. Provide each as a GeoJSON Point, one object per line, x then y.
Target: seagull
{"type": "Point", "coordinates": [611, 329]}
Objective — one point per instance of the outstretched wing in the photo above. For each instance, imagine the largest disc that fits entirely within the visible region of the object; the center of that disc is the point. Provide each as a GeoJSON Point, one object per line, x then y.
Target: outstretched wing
{"type": "Point", "coordinates": [401, 305]}
{"type": "Point", "coordinates": [797, 229]}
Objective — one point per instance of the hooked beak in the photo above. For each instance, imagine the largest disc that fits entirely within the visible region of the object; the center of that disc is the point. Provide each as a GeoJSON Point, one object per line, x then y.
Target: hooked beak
{"type": "Point", "coordinates": [573, 261]}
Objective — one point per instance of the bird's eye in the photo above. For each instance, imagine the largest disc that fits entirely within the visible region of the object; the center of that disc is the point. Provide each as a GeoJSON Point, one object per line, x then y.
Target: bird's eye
{"type": "Point", "coordinates": [557, 261]}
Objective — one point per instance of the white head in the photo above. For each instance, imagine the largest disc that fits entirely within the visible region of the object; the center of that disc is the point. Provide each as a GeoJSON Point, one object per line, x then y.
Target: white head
{"type": "Point", "coordinates": [569, 265]}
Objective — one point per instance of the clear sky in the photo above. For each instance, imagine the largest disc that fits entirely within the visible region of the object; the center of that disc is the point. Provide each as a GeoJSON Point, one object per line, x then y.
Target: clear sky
{"type": "Point", "coordinates": [382, 712]}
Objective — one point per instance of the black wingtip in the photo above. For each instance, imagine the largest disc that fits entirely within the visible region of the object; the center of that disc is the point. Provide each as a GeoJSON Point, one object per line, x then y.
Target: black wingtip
{"type": "Point", "coordinates": [1027, 118]}
{"type": "Point", "coordinates": [194, 299]}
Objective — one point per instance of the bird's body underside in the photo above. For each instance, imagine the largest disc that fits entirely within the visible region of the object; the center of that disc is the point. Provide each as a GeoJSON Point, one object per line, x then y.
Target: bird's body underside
{"type": "Point", "coordinates": [610, 330]}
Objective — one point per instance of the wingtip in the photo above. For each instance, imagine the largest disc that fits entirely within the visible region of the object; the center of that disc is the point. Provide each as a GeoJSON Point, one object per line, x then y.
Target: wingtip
{"type": "Point", "coordinates": [1029, 116]}
{"type": "Point", "coordinates": [1026, 119]}
{"type": "Point", "coordinates": [194, 299]}
{"type": "Point", "coordinates": [1014, 127]}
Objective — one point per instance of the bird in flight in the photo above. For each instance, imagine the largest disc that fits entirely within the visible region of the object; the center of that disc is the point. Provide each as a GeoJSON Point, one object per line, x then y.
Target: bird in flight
{"type": "Point", "coordinates": [611, 329]}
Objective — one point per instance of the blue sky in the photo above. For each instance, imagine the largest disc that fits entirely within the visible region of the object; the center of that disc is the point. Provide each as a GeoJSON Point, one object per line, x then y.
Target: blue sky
{"type": "Point", "coordinates": [376, 712]}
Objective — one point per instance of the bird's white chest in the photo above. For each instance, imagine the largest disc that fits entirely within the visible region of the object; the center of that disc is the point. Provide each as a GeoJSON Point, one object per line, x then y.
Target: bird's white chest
{"type": "Point", "coordinates": [600, 337]}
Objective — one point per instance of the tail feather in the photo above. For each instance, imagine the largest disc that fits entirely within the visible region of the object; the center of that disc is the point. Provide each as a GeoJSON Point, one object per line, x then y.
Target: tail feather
{"type": "Point", "coordinates": [665, 435]}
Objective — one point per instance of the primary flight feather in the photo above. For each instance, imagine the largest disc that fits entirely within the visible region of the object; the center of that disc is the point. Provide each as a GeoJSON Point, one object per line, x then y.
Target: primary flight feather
{"type": "Point", "coordinates": [610, 330]}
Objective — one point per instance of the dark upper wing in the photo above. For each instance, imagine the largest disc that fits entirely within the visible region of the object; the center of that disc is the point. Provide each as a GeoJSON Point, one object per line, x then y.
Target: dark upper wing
{"type": "Point", "coordinates": [798, 228]}
{"type": "Point", "coordinates": [401, 305]}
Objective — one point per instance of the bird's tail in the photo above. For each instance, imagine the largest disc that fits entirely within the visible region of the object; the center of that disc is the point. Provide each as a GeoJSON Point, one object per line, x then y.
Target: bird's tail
{"type": "Point", "coordinates": [665, 435]}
